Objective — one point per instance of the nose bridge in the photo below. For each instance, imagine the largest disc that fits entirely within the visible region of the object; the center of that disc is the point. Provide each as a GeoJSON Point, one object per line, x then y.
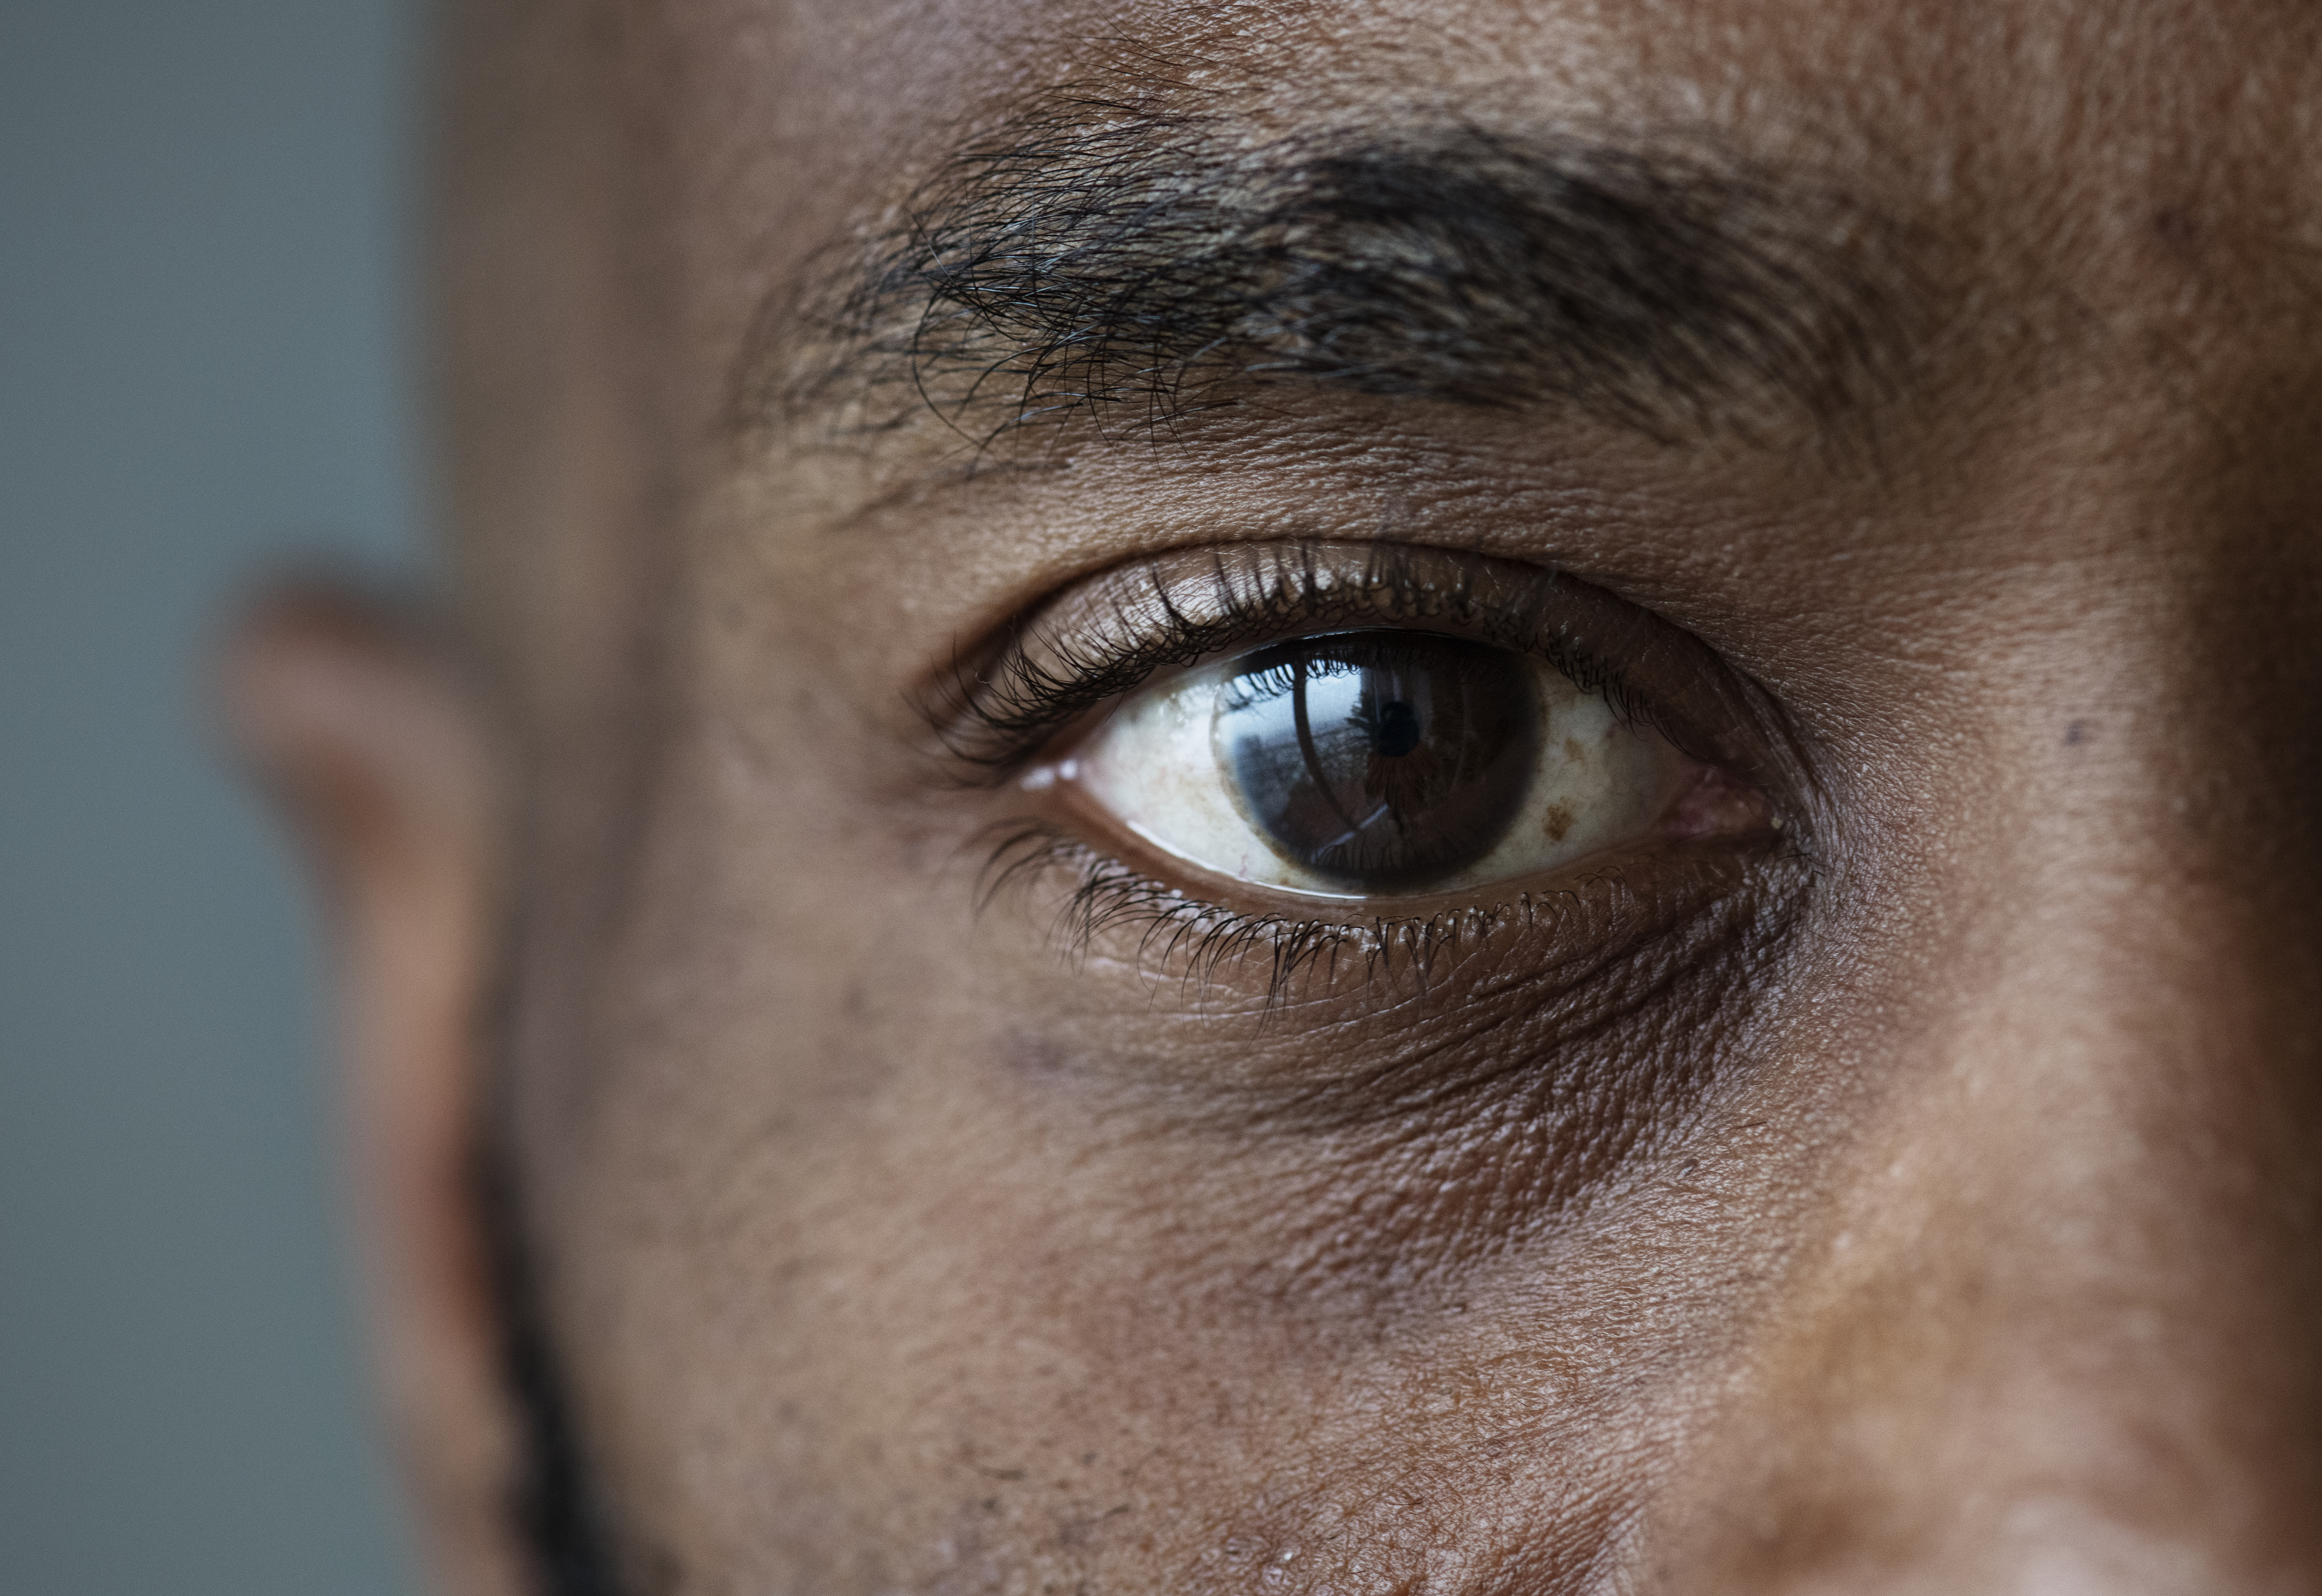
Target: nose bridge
{"type": "Point", "coordinates": [2124, 1053]}
{"type": "Point", "coordinates": [2054, 1327]}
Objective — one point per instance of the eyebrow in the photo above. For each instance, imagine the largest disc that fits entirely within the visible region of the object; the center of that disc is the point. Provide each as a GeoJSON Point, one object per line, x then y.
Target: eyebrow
{"type": "Point", "coordinates": [1096, 259]}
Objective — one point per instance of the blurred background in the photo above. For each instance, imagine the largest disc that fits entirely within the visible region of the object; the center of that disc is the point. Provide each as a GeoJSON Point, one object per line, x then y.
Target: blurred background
{"type": "Point", "coordinates": [206, 368]}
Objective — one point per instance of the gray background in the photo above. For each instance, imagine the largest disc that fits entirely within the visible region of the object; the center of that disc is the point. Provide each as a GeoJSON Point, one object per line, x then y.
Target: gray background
{"type": "Point", "coordinates": [204, 353]}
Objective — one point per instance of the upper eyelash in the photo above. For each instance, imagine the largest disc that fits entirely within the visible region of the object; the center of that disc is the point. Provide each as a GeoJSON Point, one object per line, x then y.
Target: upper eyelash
{"type": "Point", "coordinates": [993, 717]}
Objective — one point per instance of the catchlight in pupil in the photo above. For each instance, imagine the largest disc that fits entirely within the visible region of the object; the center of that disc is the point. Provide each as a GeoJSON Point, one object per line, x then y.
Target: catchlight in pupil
{"type": "Point", "coordinates": [1379, 760]}
{"type": "Point", "coordinates": [1396, 732]}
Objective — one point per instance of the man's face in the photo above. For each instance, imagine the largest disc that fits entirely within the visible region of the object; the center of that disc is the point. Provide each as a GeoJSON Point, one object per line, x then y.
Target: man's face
{"type": "Point", "coordinates": [1424, 797]}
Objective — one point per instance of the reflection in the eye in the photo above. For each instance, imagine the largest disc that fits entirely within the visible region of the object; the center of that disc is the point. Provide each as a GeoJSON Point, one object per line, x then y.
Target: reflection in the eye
{"type": "Point", "coordinates": [1374, 763]}
{"type": "Point", "coordinates": [1379, 759]}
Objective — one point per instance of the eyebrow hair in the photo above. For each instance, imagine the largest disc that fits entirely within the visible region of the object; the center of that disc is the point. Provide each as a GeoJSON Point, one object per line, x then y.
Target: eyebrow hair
{"type": "Point", "coordinates": [1096, 258]}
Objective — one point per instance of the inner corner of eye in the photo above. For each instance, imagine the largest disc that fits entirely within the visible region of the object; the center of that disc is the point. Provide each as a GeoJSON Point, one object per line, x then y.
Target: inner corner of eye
{"type": "Point", "coordinates": [1711, 801]}
{"type": "Point", "coordinates": [1378, 763]}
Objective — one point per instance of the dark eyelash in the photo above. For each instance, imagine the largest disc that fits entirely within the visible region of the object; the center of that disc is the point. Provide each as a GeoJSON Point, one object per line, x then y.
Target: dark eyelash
{"type": "Point", "coordinates": [993, 714]}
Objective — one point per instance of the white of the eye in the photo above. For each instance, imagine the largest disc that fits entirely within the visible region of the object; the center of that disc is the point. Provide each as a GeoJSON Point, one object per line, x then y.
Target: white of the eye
{"type": "Point", "coordinates": [1153, 766]}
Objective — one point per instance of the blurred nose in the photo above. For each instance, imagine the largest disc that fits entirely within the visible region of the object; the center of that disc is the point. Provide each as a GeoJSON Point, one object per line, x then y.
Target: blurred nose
{"type": "Point", "coordinates": [2057, 1328]}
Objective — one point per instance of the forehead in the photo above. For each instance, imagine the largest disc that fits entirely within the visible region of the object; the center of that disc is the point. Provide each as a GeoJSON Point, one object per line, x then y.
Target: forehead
{"type": "Point", "coordinates": [2068, 114]}
{"type": "Point", "coordinates": [2123, 192]}
{"type": "Point", "coordinates": [2082, 188]}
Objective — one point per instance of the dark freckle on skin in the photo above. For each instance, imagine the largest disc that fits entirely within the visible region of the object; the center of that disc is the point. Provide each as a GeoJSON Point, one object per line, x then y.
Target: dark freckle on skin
{"type": "Point", "coordinates": [2076, 733]}
{"type": "Point", "coordinates": [2174, 225]}
{"type": "Point", "coordinates": [1559, 821]}
{"type": "Point", "coordinates": [1030, 1055]}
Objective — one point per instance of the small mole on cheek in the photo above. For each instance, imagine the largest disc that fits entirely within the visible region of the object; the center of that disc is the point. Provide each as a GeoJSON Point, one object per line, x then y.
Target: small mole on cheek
{"type": "Point", "coordinates": [1559, 821]}
{"type": "Point", "coordinates": [2174, 225]}
{"type": "Point", "coordinates": [1026, 1053]}
{"type": "Point", "coordinates": [2076, 733]}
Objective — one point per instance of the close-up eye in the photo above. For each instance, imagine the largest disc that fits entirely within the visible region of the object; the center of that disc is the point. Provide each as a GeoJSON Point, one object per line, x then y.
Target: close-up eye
{"type": "Point", "coordinates": [1376, 762]}
{"type": "Point", "coordinates": [1362, 725]}
{"type": "Point", "coordinates": [1432, 798]}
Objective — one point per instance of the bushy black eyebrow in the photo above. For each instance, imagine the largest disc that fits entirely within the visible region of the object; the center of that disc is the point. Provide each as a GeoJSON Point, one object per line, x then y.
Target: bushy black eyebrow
{"type": "Point", "coordinates": [1093, 258]}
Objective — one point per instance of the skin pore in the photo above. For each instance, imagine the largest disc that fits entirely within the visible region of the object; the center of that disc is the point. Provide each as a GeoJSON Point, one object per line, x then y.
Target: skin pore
{"type": "Point", "coordinates": [1903, 1178]}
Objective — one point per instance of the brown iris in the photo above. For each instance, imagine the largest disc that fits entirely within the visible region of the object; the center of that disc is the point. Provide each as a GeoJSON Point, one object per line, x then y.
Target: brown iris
{"type": "Point", "coordinates": [1385, 759]}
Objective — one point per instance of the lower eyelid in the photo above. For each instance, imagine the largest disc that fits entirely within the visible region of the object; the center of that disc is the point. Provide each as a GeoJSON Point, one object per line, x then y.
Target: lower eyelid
{"type": "Point", "coordinates": [1556, 948]}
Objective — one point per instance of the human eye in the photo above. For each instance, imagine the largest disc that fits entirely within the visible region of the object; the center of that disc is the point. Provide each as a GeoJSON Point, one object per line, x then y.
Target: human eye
{"type": "Point", "coordinates": [1295, 741]}
{"type": "Point", "coordinates": [1382, 763]}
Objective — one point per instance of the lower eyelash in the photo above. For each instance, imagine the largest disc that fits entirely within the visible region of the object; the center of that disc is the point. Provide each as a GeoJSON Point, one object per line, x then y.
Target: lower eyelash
{"type": "Point", "coordinates": [1173, 929]}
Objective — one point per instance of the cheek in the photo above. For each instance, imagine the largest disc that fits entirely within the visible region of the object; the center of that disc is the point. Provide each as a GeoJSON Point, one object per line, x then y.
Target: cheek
{"type": "Point", "coordinates": [1341, 1159]}
{"type": "Point", "coordinates": [1146, 1346]}
{"type": "Point", "coordinates": [911, 1252]}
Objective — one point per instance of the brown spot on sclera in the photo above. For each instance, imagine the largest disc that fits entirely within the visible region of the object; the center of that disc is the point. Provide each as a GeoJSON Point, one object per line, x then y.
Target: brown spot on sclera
{"type": "Point", "coordinates": [1559, 821]}
{"type": "Point", "coordinates": [1573, 752]}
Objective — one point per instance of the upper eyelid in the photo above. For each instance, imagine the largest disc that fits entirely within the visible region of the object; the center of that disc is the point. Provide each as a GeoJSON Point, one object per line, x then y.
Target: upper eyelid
{"type": "Point", "coordinates": [998, 705]}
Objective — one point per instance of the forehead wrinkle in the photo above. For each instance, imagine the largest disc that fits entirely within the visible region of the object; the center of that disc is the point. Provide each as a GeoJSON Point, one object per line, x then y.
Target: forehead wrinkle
{"type": "Point", "coordinates": [1098, 257]}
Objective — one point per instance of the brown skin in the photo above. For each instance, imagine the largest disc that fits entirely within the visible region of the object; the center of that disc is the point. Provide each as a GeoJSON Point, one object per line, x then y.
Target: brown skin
{"type": "Point", "coordinates": [1957, 1230]}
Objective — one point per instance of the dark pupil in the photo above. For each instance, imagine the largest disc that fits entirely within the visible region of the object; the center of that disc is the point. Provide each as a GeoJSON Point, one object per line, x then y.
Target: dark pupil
{"type": "Point", "coordinates": [1397, 733]}
{"type": "Point", "coordinates": [1383, 759]}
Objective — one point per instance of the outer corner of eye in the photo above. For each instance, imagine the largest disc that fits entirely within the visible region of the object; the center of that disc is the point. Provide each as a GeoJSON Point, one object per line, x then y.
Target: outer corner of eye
{"type": "Point", "coordinates": [1381, 763]}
